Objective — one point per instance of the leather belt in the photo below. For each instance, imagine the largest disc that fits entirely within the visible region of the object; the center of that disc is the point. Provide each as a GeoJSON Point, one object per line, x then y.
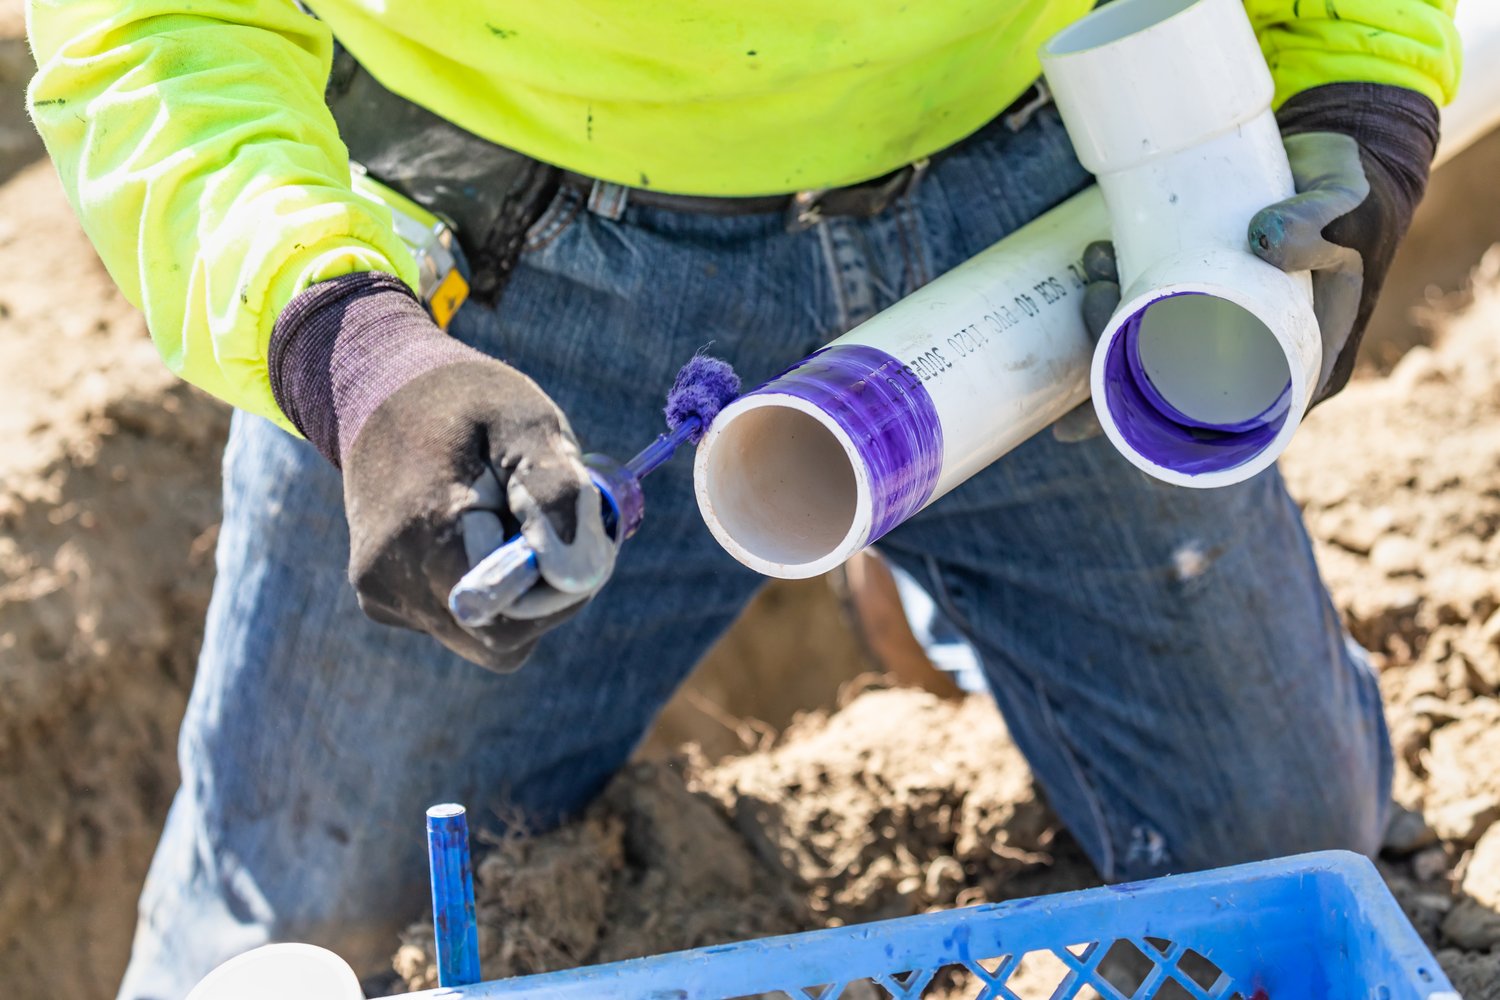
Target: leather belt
{"type": "Point", "coordinates": [803, 209]}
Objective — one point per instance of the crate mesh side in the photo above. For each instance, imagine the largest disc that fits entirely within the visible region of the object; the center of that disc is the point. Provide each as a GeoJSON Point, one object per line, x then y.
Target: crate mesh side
{"type": "Point", "coordinates": [1122, 969]}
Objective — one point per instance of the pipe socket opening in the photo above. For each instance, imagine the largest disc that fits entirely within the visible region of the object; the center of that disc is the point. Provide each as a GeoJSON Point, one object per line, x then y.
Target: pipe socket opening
{"type": "Point", "coordinates": [1112, 23]}
{"type": "Point", "coordinates": [1196, 384]}
{"type": "Point", "coordinates": [779, 489]}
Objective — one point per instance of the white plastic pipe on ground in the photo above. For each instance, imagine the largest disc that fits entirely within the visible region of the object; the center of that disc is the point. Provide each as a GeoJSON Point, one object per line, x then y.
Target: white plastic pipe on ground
{"type": "Point", "coordinates": [1206, 369]}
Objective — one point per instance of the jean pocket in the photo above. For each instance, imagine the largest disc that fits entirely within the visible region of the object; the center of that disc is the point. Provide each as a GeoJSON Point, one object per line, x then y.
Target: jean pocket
{"type": "Point", "coordinates": [555, 219]}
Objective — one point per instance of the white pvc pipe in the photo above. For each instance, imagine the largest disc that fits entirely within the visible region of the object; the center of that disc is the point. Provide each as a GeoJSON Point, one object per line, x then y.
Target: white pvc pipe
{"type": "Point", "coordinates": [798, 475]}
{"type": "Point", "coordinates": [790, 492]}
{"type": "Point", "coordinates": [282, 972]}
{"type": "Point", "coordinates": [1207, 367]}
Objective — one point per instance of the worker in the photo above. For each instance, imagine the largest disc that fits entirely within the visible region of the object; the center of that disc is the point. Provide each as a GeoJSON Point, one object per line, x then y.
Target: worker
{"type": "Point", "coordinates": [617, 185]}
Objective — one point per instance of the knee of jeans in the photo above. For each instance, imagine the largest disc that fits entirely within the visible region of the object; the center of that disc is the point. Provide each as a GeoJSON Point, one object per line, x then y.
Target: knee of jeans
{"type": "Point", "coordinates": [1256, 824]}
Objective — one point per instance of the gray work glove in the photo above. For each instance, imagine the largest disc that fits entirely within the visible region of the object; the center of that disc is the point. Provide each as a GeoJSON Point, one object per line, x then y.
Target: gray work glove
{"type": "Point", "coordinates": [446, 452]}
{"type": "Point", "coordinates": [1360, 155]}
{"type": "Point", "coordinates": [1101, 297]}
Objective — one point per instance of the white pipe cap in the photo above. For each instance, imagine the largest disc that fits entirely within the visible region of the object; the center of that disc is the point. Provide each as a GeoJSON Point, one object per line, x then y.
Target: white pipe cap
{"type": "Point", "coordinates": [282, 972]}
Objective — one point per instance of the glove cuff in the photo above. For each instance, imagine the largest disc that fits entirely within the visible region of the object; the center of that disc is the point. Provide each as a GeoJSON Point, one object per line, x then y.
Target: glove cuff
{"type": "Point", "coordinates": [1393, 125]}
{"type": "Point", "coordinates": [341, 347]}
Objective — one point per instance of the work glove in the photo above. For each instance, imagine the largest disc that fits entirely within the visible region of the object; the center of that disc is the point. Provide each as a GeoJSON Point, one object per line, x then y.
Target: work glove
{"type": "Point", "coordinates": [446, 452]}
{"type": "Point", "coordinates": [1360, 154]}
{"type": "Point", "coordinates": [1101, 297]}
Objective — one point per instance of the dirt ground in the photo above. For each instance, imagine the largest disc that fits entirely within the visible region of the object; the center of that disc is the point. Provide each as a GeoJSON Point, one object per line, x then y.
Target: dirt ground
{"type": "Point", "coordinates": [108, 513]}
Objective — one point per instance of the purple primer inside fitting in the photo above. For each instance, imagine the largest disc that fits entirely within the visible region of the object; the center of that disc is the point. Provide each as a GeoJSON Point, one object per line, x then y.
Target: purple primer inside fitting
{"type": "Point", "coordinates": [886, 412]}
{"type": "Point", "coordinates": [1164, 434]}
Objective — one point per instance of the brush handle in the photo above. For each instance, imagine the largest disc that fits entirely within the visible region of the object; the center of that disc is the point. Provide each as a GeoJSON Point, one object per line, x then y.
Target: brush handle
{"type": "Point", "coordinates": [501, 578]}
{"type": "Point", "coordinates": [495, 583]}
{"type": "Point", "coordinates": [658, 452]}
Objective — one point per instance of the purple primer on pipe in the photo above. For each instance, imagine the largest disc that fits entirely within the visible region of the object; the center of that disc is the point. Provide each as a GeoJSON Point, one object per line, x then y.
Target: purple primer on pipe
{"type": "Point", "coordinates": [886, 412]}
{"type": "Point", "coordinates": [1164, 434]}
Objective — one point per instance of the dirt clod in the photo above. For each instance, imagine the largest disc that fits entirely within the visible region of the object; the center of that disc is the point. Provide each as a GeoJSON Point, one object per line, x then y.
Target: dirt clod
{"type": "Point", "coordinates": [892, 806]}
{"type": "Point", "coordinates": [1482, 876]}
{"type": "Point", "coordinates": [1474, 976]}
{"type": "Point", "coordinates": [1407, 833]}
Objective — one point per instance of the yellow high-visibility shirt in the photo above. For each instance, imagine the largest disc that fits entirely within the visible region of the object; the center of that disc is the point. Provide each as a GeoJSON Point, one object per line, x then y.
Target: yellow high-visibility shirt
{"type": "Point", "coordinates": [194, 143]}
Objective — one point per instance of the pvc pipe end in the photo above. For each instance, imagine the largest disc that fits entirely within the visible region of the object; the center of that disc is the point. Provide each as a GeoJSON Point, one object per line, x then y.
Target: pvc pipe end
{"type": "Point", "coordinates": [1112, 24]}
{"type": "Point", "coordinates": [781, 486]}
{"type": "Point", "coordinates": [796, 476]}
{"type": "Point", "coordinates": [1136, 79]}
{"type": "Point", "coordinates": [1197, 389]}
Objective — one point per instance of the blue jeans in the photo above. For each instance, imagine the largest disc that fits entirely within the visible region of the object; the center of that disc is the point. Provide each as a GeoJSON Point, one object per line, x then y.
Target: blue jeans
{"type": "Point", "coordinates": [1168, 659]}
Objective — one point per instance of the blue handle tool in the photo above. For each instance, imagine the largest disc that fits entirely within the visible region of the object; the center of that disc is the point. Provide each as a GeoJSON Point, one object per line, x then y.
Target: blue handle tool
{"type": "Point", "coordinates": [499, 579]}
{"type": "Point", "coordinates": [455, 933]}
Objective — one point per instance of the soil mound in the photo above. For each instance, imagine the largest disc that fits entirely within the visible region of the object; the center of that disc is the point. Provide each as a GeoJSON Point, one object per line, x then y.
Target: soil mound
{"type": "Point", "coordinates": [898, 803]}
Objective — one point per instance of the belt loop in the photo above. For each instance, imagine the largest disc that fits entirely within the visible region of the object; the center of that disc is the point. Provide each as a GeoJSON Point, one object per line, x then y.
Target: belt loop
{"type": "Point", "coordinates": [608, 200]}
{"type": "Point", "coordinates": [804, 210]}
{"type": "Point", "coordinates": [1036, 97]}
{"type": "Point", "coordinates": [918, 169]}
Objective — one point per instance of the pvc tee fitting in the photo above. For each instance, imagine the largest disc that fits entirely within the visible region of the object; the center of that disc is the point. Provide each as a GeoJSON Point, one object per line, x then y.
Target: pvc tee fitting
{"type": "Point", "coordinates": [799, 474]}
{"type": "Point", "coordinates": [1207, 367]}
{"type": "Point", "coordinates": [1200, 378]}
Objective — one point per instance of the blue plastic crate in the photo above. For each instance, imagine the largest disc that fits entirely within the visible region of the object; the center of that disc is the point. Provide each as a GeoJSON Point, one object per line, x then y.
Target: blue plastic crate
{"type": "Point", "coordinates": [1315, 926]}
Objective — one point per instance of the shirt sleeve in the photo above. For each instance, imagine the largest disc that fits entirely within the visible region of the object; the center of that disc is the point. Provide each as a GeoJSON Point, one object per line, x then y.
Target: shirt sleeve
{"type": "Point", "coordinates": [1407, 43]}
{"type": "Point", "coordinates": [195, 145]}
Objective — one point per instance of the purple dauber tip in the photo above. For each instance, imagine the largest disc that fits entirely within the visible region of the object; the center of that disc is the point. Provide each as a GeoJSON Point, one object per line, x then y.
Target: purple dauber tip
{"type": "Point", "coordinates": [703, 387]}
